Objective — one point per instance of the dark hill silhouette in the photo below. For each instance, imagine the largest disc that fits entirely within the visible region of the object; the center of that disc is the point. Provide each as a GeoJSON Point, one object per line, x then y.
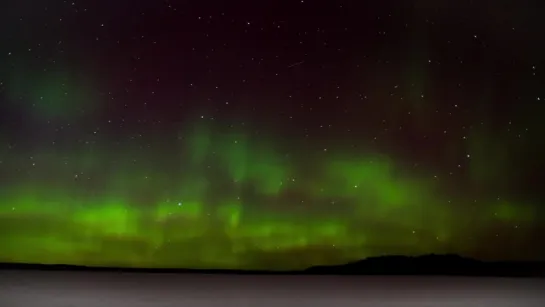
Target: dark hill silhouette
{"type": "Point", "coordinates": [452, 265]}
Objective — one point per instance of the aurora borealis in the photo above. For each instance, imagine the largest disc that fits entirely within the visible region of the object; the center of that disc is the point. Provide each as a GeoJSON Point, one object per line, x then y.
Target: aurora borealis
{"type": "Point", "coordinates": [163, 134]}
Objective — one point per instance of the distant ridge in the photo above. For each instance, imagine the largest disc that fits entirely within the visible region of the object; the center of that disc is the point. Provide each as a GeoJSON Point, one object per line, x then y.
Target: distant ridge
{"type": "Point", "coordinates": [82, 268]}
{"type": "Point", "coordinates": [450, 265]}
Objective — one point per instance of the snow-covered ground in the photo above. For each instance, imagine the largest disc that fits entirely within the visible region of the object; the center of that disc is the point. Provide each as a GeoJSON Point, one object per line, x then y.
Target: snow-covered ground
{"type": "Point", "coordinates": [104, 289]}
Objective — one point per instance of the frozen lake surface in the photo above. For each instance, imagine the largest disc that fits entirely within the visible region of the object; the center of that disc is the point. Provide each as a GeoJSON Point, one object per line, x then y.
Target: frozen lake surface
{"type": "Point", "coordinates": [104, 289]}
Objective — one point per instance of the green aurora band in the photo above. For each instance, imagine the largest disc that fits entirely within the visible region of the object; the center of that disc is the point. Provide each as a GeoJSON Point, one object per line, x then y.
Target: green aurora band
{"type": "Point", "coordinates": [230, 201]}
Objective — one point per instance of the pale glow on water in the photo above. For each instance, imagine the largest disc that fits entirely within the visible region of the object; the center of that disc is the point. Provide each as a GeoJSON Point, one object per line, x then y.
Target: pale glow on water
{"type": "Point", "coordinates": [44, 289]}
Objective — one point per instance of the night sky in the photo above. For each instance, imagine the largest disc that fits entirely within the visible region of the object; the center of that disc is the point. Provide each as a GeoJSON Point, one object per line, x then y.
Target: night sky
{"type": "Point", "coordinates": [270, 134]}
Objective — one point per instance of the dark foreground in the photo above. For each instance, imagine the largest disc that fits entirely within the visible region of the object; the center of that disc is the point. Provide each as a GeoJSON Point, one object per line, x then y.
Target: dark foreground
{"type": "Point", "coordinates": [73, 289]}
